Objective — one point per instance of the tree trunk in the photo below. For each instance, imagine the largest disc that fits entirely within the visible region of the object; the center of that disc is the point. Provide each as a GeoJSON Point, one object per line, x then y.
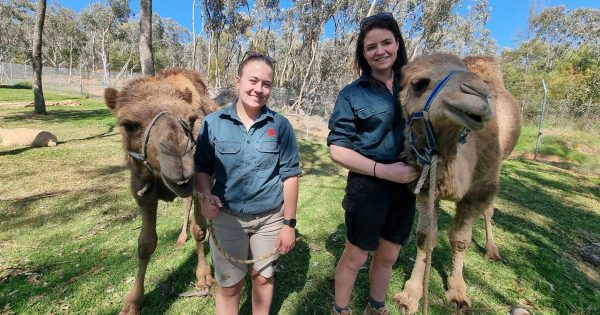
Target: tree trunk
{"type": "Point", "coordinates": [195, 40]}
{"type": "Point", "coordinates": [38, 92]}
{"type": "Point", "coordinates": [146, 58]}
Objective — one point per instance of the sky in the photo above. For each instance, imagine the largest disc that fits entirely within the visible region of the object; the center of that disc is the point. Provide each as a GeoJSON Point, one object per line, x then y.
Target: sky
{"type": "Point", "coordinates": [507, 21]}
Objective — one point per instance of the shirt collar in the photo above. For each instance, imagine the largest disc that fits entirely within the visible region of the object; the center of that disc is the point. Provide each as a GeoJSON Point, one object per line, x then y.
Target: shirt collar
{"type": "Point", "coordinates": [232, 112]}
{"type": "Point", "coordinates": [364, 79]}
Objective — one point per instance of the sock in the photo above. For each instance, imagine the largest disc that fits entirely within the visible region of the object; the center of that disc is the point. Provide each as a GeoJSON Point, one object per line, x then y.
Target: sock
{"type": "Point", "coordinates": [340, 309]}
{"type": "Point", "coordinates": [376, 304]}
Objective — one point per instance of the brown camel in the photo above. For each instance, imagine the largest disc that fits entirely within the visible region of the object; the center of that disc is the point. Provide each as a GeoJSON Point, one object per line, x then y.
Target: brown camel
{"type": "Point", "coordinates": [159, 119]}
{"type": "Point", "coordinates": [475, 124]}
{"type": "Point", "coordinates": [26, 137]}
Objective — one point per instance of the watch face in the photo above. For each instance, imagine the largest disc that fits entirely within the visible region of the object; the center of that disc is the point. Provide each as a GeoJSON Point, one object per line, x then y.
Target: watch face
{"type": "Point", "coordinates": [290, 222]}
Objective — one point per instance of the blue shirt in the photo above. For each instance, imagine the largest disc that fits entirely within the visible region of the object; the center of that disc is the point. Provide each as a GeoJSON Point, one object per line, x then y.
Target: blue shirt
{"type": "Point", "coordinates": [248, 166]}
{"type": "Point", "coordinates": [368, 119]}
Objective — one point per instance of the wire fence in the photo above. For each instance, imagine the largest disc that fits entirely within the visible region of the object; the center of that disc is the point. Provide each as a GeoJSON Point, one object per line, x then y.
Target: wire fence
{"type": "Point", "coordinates": [562, 118]}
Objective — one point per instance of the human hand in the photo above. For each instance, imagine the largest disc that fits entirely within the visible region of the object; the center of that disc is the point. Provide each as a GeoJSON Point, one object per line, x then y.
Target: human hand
{"type": "Point", "coordinates": [397, 172]}
{"type": "Point", "coordinates": [286, 240]}
{"type": "Point", "coordinates": [210, 206]}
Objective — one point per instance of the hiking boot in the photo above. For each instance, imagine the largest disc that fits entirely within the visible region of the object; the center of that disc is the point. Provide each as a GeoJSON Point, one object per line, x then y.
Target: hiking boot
{"type": "Point", "coordinates": [344, 312]}
{"type": "Point", "coordinates": [369, 310]}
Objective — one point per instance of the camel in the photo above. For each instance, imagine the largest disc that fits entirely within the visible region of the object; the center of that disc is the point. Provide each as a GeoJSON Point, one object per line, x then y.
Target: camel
{"type": "Point", "coordinates": [27, 137]}
{"type": "Point", "coordinates": [159, 118]}
{"type": "Point", "coordinates": [473, 124]}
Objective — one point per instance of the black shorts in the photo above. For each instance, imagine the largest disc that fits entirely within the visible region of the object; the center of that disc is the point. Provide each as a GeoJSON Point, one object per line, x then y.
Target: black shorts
{"type": "Point", "coordinates": [377, 208]}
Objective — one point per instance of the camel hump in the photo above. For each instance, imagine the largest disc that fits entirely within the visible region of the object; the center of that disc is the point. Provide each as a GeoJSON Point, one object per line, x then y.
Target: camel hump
{"type": "Point", "coordinates": [185, 79]}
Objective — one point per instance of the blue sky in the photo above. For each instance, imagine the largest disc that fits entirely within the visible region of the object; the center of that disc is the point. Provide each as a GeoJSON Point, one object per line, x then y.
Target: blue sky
{"type": "Point", "coordinates": [507, 20]}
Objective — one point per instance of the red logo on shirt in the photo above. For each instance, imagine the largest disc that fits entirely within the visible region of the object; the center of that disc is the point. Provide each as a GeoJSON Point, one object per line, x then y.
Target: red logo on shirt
{"type": "Point", "coordinates": [271, 132]}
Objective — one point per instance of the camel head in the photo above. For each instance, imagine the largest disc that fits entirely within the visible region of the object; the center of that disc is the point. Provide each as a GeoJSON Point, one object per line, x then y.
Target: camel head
{"type": "Point", "coordinates": [461, 101]}
{"type": "Point", "coordinates": [157, 128]}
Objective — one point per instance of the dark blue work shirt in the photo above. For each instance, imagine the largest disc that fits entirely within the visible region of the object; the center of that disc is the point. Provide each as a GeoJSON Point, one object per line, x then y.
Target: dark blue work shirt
{"type": "Point", "coordinates": [249, 166]}
{"type": "Point", "coordinates": [368, 120]}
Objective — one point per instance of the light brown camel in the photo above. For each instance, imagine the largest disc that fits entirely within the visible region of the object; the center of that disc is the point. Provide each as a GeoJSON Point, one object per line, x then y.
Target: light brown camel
{"type": "Point", "coordinates": [475, 124]}
{"type": "Point", "coordinates": [27, 137]}
{"type": "Point", "coordinates": [159, 119]}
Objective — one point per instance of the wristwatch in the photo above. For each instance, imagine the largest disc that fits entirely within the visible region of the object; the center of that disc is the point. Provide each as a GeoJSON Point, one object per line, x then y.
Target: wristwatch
{"type": "Point", "coordinates": [290, 222]}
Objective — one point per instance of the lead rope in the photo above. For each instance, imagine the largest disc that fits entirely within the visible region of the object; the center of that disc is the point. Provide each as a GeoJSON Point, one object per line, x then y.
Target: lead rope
{"type": "Point", "coordinates": [222, 251]}
{"type": "Point", "coordinates": [432, 170]}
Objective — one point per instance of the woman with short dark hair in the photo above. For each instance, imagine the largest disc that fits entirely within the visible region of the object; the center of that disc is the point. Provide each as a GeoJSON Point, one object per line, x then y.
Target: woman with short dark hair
{"type": "Point", "coordinates": [366, 137]}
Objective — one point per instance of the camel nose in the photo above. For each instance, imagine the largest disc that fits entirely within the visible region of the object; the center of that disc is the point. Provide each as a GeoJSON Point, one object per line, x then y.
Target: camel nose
{"type": "Point", "coordinates": [476, 88]}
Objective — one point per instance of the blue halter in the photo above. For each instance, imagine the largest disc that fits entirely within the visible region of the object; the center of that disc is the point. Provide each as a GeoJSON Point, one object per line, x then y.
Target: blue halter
{"type": "Point", "coordinates": [432, 147]}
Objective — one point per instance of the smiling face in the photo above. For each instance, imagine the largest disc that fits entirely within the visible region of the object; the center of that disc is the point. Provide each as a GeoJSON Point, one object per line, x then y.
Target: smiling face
{"type": "Point", "coordinates": [254, 84]}
{"type": "Point", "coordinates": [380, 50]}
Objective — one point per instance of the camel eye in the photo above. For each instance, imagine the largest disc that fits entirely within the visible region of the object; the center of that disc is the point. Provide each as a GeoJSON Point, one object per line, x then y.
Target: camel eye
{"type": "Point", "coordinates": [419, 85]}
{"type": "Point", "coordinates": [130, 127]}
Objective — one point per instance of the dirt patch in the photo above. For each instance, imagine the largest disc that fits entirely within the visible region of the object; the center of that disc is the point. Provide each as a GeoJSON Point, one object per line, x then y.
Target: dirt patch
{"type": "Point", "coordinates": [307, 126]}
{"type": "Point", "coordinates": [5, 105]}
{"type": "Point", "coordinates": [548, 158]}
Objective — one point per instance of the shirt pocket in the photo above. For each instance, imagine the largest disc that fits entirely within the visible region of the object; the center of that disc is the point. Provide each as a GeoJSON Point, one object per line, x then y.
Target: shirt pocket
{"type": "Point", "coordinates": [228, 153]}
{"type": "Point", "coordinates": [367, 113]}
{"type": "Point", "coordinates": [268, 157]}
{"type": "Point", "coordinates": [371, 117]}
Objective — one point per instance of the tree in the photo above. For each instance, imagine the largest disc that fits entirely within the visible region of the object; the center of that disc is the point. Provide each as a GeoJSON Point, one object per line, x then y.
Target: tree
{"type": "Point", "coordinates": [146, 57]}
{"type": "Point", "coordinates": [38, 92]}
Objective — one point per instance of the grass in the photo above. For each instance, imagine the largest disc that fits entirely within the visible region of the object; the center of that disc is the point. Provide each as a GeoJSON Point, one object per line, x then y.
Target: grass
{"type": "Point", "coordinates": [69, 226]}
{"type": "Point", "coordinates": [21, 92]}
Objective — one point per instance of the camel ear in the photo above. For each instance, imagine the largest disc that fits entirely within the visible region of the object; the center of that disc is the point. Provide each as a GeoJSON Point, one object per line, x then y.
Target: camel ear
{"type": "Point", "coordinates": [110, 97]}
{"type": "Point", "coordinates": [186, 95]}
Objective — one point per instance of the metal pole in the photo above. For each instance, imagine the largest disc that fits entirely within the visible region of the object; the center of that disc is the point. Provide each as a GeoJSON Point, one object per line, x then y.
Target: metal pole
{"type": "Point", "coordinates": [543, 110]}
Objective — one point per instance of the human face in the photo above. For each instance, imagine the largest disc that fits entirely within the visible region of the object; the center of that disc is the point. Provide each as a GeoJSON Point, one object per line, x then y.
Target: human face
{"type": "Point", "coordinates": [380, 50]}
{"type": "Point", "coordinates": [254, 84]}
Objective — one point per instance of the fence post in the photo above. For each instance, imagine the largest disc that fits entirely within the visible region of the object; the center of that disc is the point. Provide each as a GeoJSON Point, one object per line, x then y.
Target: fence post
{"type": "Point", "coordinates": [542, 111]}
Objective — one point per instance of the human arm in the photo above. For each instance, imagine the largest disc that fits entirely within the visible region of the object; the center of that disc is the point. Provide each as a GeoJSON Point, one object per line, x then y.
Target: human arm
{"type": "Point", "coordinates": [355, 162]}
{"type": "Point", "coordinates": [287, 235]}
{"type": "Point", "coordinates": [204, 158]}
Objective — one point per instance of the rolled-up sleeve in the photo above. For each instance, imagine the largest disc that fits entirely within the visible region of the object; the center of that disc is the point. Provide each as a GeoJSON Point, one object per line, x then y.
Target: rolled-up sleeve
{"type": "Point", "coordinates": [342, 129]}
{"type": "Point", "coordinates": [204, 157]}
{"type": "Point", "coordinates": [289, 163]}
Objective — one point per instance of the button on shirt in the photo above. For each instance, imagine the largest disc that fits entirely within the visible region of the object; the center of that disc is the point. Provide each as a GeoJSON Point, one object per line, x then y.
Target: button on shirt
{"type": "Point", "coordinates": [368, 120]}
{"type": "Point", "coordinates": [249, 166]}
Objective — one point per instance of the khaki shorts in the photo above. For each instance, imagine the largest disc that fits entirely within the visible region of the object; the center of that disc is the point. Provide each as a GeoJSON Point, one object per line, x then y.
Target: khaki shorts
{"type": "Point", "coordinates": [245, 237]}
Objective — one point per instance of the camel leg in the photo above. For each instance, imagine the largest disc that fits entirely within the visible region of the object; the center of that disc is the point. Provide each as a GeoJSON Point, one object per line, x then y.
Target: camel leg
{"type": "Point", "coordinates": [199, 231]}
{"type": "Point", "coordinates": [146, 246]}
{"type": "Point", "coordinates": [491, 251]}
{"type": "Point", "coordinates": [408, 299]}
{"type": "Point", "coordinates": [187, 205]}
{"type": "Point", "coordinates": [467, 211]}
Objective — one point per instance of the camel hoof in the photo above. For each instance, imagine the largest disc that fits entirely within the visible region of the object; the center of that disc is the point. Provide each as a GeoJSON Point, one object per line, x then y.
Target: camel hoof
{"type": "Point", "coordinates": [459, 299]}
{"type": "Point", "coordinates": [491, 253]}
{"type": "Point", "coordinates": [181, 240]}
{"type": "Point", "coordinates": [204, 282]}
{"type": "Point", "coordinates": [130, 309]}
{"type": "Point", "coordinates": [406, 303]}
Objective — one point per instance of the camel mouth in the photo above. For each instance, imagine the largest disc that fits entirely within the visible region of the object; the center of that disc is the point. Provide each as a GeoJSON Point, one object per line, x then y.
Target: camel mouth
{"type": "Point", "coordinates": [465, 118]}
{"type": "Point", "coordinates": [182, 188]}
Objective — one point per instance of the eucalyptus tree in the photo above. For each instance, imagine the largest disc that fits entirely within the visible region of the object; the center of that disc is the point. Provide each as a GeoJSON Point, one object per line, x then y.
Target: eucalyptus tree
{"type": "Point", "coordinates": [38, 91]}
{"type": "Point", "coordinates": [146, 58]}
{"type": "Point", "coordinates": [101, 21]}
{"type": "Point", "coordinates": [16, 25]}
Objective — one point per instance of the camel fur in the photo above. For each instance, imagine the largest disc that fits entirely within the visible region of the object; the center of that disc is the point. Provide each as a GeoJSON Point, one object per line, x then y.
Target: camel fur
{"type": "Point", "coordinates": [26, 137]}
{"type": "Point", "coordinates": [169, 149]}
{"type": "Point", "coordinates": [467, 173]}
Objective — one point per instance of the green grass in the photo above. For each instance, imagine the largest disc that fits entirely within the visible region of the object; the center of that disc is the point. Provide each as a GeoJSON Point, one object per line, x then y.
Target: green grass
{"type": "Point", "coordinates": [568, 146]}
{"type": "Point", "coordinates": [22, 92]}
{"type": "Point", "coordinates": [69, 226]}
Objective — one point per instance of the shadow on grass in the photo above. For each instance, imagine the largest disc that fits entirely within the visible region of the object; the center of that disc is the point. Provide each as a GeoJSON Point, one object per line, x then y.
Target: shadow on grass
{"type": "Point", "coordinates": [62, 115]}
{"type": "Point", "coordinates": [315, 159]}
